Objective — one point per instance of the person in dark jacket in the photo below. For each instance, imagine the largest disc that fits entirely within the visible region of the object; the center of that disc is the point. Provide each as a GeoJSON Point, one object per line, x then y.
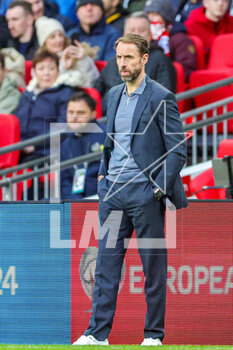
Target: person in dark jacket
{"type": "Point", "coordinates": [93, 29]}
{"type": "Point", "coordinates": [159, 67]}
{"type": "Point", "coordinates": [21, 26]}
{"type": "Point", "coordinates": [80, 180]}
{"type": "Point", "coordinates": [4, 32]}
{"type": "Point", "coordinates": [185, 7]}
{"type": "Point", "coordinates": [42, 104]}
{"type": "Point", "coordinates": [50, 9]}
{"type": "Point", "coordinates": [173, 39]}
{"type": "Point", "coordinates": [115, 14]}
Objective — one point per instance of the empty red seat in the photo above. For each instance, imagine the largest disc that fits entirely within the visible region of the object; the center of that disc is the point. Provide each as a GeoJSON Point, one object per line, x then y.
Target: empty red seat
{"type": "Point", "coordinates": [207, 177]}
{"type": "Point", "coordinates": [205, 76]}
{"type": "Point", "coordinates": [97, 97]}
{"type": "Point", "coordinates": [180, 83]}
{"type": "Point", "coordinates": [198, 43]}
{"type": "Point", "coordinates": [9, 134]}
{"type": "Point", "coordinates": [221, 53]}
{"type": "Point", "coordinates": [225, 148]}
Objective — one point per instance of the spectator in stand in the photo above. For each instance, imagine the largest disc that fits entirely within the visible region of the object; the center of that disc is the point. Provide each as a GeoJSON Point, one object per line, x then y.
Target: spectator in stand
{"type": "Point", "coordinates": [115, 14]}
{"type": "Point", "coordinates": [92, 28]}
{"type": "Point", "coordinates": [173, 39]}
{"type": "Point", "coordinates": [184, 8]}
{"type": "Point", "coordinates": [42, 104]}
{"type": "Point", "coordinates": [14, 66]}
{"type": "Point", "coordinates": [159, 67]}
{"type": "Point", "coordinates": [9, 94]}
{"type": "Point", "coordinates": [77, 68]}
{"type": "Point", "coordinates": [81, 180]}
{"type": "Point", "coordinates": [50, 9]}
{"type": "Point", "coordinates": [209, 21]}
{"type": "Point", "coordinates": [4, 32]}
{"type": "Point", "coordinates": [21, 26]}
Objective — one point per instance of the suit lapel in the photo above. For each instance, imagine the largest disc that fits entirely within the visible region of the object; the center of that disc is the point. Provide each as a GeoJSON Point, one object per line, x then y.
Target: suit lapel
{"type": "Point", "coordinates": [114, 102]}
{"type": "Point", "coordinates": [140, 106]}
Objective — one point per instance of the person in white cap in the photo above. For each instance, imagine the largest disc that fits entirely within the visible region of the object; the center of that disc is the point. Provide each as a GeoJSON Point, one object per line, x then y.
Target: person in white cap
{"type": "Point", "coordinates": [77, 68]}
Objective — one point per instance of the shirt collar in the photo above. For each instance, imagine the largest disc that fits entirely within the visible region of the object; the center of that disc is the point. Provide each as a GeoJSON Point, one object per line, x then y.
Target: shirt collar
{"type": "Point", "coordinates": [139, 90]}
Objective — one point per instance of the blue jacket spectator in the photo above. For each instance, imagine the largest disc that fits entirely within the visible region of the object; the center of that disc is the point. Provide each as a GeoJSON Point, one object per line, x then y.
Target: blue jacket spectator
{"type": "Point", "coordinates": [4, 32]}
{"type": "Point", "coordinates": [93, 29]}
{"type": "Point", "coordinates": [37, 111]}
{"type": "Point", "coordinates": [80, 180]}
{"type": "Point", "coordinates": [75, 146]}
{"type": "Point", "coordinates": [185, 8]}
{"type": "Point", "coordinates": [44, 104]}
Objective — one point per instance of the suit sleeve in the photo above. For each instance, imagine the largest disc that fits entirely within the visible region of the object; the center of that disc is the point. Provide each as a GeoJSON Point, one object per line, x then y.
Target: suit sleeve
{"type": "Point", "coordinates": [175, 144]}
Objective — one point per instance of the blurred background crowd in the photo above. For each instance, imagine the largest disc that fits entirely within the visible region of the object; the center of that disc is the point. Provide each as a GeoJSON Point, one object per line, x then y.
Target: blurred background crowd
{"type": "Point", "coordinates": [57, 61]}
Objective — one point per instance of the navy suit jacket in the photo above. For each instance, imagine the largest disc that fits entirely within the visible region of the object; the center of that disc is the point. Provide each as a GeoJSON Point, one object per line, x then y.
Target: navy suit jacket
{"type": "Point", "coordinates": [157, 141]}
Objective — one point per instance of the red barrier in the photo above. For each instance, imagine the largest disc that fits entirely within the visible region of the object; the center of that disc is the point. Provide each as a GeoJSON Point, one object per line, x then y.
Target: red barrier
{"type": "Point", "coordinates": [200, 278]}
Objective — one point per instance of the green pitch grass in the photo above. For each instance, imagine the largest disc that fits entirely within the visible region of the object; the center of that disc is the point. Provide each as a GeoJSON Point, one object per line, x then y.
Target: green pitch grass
{"type": "Point", "coordinates": [115, 347]}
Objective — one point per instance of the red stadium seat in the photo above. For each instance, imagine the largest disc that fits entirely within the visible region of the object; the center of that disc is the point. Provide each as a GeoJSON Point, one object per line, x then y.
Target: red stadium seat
{"type": "Point", "coordinates": [205, 76]}
{"type": "Point", "coordinates": [180, 83]}
{"type": "Point", "coordinates": [199, 50]}
{"type": "Point", "coordinates": [97, 97]}
{"type": "Point", "coordinates": [225, 148]}
{"type": "Point", "coordinates": [100, 65]}
{"type": "Point", "coordinates": [9, 134]}
{"type": "Point", "coordinates": [28, 75]}
{"type": "Point", "coordinates": [207, 177]}
{"type": "Point", "coordinates": [221, 53]}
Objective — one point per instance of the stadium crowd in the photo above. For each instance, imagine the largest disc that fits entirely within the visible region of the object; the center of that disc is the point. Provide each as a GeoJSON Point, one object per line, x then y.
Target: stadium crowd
{"type": "Point", "coordinates": [69, 47]}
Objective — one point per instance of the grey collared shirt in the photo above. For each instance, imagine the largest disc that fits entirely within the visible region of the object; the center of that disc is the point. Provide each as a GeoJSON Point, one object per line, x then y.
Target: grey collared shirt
{"type": "Point", "coordinates": [121, 169]}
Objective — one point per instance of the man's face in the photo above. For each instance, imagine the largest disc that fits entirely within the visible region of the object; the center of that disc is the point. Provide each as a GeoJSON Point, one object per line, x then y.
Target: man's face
{"type": "Point", "coordinates": [37, 7]}
{"type": "Point", "coordinates": [216, 9]}
{"type": "Point", "coordinates": [89, 14]}
{"type": "Point", "coordinates": [155, 17]}
{"type": "Point", "coordinates": [1, 74]}
{"type": "Point", "coordinates": [138, 26]}
{"type": "Point", "coordinates": [46, 73]}
{"type": "Point", "coordinates": [130, 62]}
{"type": "Point", "coordinates": [79, 112]}
{"type": "Point", "coordinates": [18, 21]}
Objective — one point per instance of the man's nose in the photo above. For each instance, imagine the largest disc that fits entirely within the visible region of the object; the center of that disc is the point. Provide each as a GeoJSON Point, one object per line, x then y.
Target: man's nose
{"type": "Point", "coordinates": [122, 62]}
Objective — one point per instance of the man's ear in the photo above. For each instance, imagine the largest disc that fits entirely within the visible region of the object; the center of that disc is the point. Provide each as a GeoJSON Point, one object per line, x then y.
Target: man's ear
{"type": "Point", "coordinates": [145, 58]}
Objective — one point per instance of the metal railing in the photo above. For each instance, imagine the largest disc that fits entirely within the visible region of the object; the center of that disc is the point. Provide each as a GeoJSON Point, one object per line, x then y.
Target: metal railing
{"type": "Point", "coordinates": [206, 137]}
{"type": "Point", "coordinates": [201, 146]}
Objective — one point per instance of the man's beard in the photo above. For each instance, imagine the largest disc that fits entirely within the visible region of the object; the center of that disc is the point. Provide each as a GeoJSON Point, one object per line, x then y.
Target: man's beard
{"type": "Point", "coordinates": [132, 77]}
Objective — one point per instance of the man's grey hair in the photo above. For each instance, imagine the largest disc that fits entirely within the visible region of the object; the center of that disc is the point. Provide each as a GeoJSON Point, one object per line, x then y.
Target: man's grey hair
{"type": "Point", "coordinates": [137, 14]}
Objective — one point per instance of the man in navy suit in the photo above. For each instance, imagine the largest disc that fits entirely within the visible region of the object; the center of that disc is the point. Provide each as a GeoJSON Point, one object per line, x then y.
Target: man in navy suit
{"type": "Point", "coordinates": [144, 153]}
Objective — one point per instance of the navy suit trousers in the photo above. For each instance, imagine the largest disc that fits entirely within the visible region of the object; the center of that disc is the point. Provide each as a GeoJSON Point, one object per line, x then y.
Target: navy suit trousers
{"type": "Point", "coordinates": [141, 211]}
